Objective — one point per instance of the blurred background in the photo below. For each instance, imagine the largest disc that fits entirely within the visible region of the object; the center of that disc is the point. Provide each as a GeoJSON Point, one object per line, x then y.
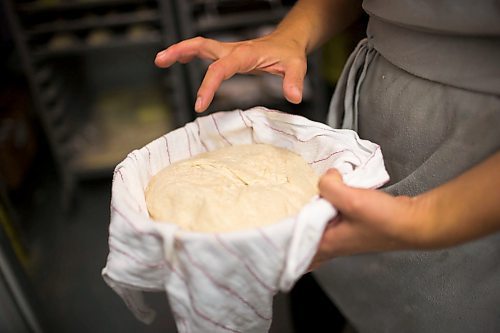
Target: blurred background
{"type": "Point", "coordinates": [79, 90]}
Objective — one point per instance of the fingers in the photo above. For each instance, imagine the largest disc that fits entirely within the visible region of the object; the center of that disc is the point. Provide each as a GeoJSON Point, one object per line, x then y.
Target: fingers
{"type": "Point", "coordinates": [220, 70]}
{"type": "Point", "coordinates": [353, 202]}
{"type": "Point", "coordinates": [366, 206]}
{"type": "Point", "coordinates": [232, 58]}
{"type": "Point", "coordinates": [203, 48]}
{"type": "Point", "coordinates": [337, 240]}
{"type": "Point", "coordinates": [370, 220]}
{"type": "Point", "coordinates": [293, 81]}
{"type": "Point", "coordinates": [217, 72]}
{"type": "Point", "coordinates": [186, 50]}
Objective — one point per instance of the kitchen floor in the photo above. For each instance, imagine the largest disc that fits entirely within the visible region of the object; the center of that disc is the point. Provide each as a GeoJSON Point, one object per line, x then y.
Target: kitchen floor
{"type": "Point", "coordinates": [68, 252]}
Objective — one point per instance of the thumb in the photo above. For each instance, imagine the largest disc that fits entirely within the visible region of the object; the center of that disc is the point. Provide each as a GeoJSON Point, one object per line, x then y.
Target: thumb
{"type": "Point", "coordinates": [358, 203]}
{"type": "Point", "coordinates": [293, 83]}
{"type": "Point", "coordinates": [345, 198]}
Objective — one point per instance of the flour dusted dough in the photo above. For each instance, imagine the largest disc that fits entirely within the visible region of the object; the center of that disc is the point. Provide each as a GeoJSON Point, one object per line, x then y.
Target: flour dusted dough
{"type": "Point", "coordinates": [232, 188]}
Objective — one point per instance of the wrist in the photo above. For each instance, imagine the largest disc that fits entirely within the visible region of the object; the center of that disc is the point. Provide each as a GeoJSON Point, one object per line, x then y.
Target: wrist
{"type": "Point", "coordinates": [434, 215]}
{"type": "Point", "coordinates": [412, 218]}
{"type": "Point", "coordinates": [303, 25]}
{"type": "Point", "coordinates": [297, 38]}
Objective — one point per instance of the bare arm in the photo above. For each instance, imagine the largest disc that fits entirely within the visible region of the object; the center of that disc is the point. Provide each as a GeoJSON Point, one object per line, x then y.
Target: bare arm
{"type": "Point", "coordinates": [312, 22]}
{"type": "Point", "coordinates": [283, 52]}
{"type": "Point", "coordinates": [464, 209]}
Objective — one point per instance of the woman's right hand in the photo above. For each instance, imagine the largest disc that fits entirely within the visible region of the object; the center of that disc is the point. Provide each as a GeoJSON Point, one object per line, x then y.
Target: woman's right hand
{"type": "Point", "coordinates": [274, 53]}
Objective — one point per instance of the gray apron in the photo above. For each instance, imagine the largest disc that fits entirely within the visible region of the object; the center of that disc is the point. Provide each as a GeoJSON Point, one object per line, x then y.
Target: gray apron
{"type": "Point", "coordinates": [430, 97]}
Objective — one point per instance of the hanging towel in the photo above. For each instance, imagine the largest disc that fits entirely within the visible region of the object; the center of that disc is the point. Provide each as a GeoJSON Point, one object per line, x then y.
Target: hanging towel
{"type": "Point", "coordinates": [225, 282]}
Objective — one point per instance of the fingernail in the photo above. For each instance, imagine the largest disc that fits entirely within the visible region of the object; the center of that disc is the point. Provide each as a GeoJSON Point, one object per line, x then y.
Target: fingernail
{"type": "Point", "coordinates": [334, 176]}
{"type": "Point", "coordinates": [296, 93]}
{"type": "Point", "coordinates": [197, 105]}
{"type": "Point", "coordinates": [160, 54]}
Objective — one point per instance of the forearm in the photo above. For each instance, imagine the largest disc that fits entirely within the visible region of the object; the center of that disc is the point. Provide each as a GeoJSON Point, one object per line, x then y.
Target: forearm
{"type": "Point", "coordinates": [465, 208]}
{"type": "Point", "coordinates": [312, 22]}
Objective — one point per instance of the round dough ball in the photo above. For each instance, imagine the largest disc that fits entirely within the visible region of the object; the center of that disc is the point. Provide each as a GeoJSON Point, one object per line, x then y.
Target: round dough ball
{"type": "Point", "coordinates": [232, 188]}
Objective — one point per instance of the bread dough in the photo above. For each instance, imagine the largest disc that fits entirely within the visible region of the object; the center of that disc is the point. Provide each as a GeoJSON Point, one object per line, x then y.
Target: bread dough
{"type": "Point", "coordinates": [232, 188]}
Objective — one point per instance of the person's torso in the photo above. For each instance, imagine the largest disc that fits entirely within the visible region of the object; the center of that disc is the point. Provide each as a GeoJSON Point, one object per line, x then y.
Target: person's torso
{"type": "Point", "coordinates": [425, 87]}
{"type": "Point", "coordinates": [455, 42]}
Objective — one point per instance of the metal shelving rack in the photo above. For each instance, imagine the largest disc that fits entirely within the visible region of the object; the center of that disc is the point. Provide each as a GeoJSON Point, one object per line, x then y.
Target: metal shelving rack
{"type": "Point", "coordinates": [246, 19]}
{"type": "Point", "coordinates": [53, 39]}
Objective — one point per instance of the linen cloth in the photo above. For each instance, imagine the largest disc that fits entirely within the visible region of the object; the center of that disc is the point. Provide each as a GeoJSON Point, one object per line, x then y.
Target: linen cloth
{"type": "Point", "coordinates": [225, 282]}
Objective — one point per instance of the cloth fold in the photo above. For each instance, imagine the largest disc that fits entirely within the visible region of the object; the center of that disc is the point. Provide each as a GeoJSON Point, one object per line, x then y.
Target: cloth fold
{"type": "Point", "coordinates": [344, 105]}
{"type": "Point", "coordinates": [225, 282]}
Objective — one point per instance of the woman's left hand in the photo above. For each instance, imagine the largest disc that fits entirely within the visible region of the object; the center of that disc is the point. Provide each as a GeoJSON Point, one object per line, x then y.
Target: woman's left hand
{"type": "Point", "coordinates": [463, 209]}
{"type": "Point", "coordinates": [369, 221]}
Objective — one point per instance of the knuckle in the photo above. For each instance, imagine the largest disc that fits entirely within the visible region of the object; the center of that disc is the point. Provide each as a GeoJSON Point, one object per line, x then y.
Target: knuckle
{"type": "Point", "coordinates": [198, 40]}
{"type": "Point", "coordinates": [214, 67]}
{"type": "Point", "coordinates": [173, 48]}
{"type": "Point", "coordinates": [297, 62]}
{"type": "Point", "coordinates": [216, 71]}
{"type": "Point", "coordinates": [243, 48]}
{"type": "Point", "coordinates": [353, 205]}
{"type": "Point", "coordinates": [404, 198]}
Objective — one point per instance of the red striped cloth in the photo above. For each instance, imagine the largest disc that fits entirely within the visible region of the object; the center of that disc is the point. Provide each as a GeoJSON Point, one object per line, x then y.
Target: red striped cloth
{"type": "Point", "coordinates": [225, 282]}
